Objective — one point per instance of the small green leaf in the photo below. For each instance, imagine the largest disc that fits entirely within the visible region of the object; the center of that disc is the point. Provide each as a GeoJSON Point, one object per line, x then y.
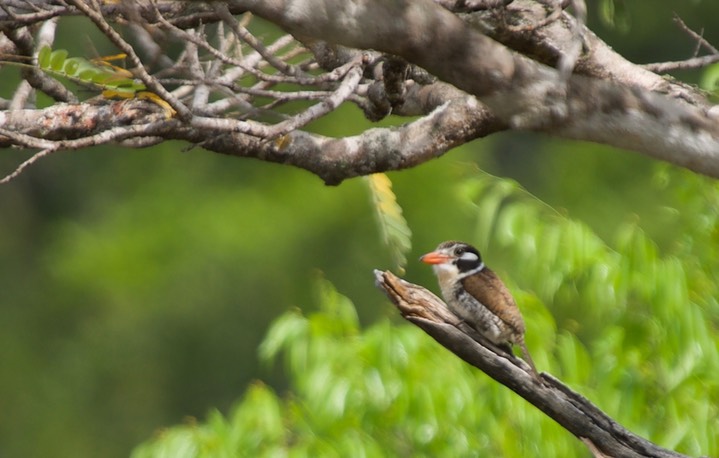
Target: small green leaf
{"type": "Point", "coordinates": [489, 200]}
{"type": "Point", "coordinates": [606, 12]}
{"type": "Point", "coordinates": [573, 358]}
{"type": "Point", "coordinates": [286, 331]}
{"type": "Point", "coordinates": [614, 14]}
{"type": "Point", "coordinates": [57, 59]}
{"type": "Point", "coordinates": [43, 57]}
{"type": "Point", "coordinates": [338, 307]}
{"type": "Point", "coordinates": [710, 79]}
{"type": "Point", "coordinates": [70, 66]}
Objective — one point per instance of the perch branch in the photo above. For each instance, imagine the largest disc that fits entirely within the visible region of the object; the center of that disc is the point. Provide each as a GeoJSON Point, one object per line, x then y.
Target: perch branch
{"type": "Point", "coordinates": [603, 435]}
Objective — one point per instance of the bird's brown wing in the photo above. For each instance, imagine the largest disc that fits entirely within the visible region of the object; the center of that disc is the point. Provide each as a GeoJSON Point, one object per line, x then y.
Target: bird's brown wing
{"type": "Point", "coordinates": [491, 292]}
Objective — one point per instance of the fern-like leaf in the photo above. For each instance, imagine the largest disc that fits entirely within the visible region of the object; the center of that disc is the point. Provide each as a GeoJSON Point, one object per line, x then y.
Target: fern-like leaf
{"type": "Point", "coordinates": [97, 74]}
{"type": "Point", "coordinates": [396, 234]}
{"type": "Point", "coordinates": [114, 81]}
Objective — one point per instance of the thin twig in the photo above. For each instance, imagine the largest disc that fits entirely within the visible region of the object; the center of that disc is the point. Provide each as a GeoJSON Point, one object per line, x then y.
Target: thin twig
{"type": "Point", "coordinates": [700, 39]}
{"type": "Point", "coordinates": [689, 64]}
{"type": "Point", "coordinates": [287, 96]}
{"type": "Point", "coordinates": [245, 35]}
{"type": "Point", "coordinates": [49, 12]}
{"type": "Point", "coordinates": [51, 146]}
{"type": "Point", "coordinates": [20, 168]}
{"type": "Point", "coordinates": [343, 92]}
{"type": "Point", "coordinates": [243, 64]}
{"type": "Point", "coordinates": [693, 62]}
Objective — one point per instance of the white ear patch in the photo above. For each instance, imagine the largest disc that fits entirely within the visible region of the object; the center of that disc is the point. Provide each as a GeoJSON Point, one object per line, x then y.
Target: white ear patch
{"type": "Point", "coordinates": [469, 256]}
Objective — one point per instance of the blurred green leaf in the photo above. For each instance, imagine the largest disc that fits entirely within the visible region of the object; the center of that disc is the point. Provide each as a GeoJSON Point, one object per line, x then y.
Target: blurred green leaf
{"type": "Point", "coordinates": [338, 307]}
{"type": "Point", "coordinates": [573, 358]}
{"type": "Point", "coordinates": [179, 442]}
{"type": "Point", "coordinates": [614, 14]}
{"type": "Point", "coordinates": [710, 79]}
{"type": "Point", "coordinates": [289, 329]}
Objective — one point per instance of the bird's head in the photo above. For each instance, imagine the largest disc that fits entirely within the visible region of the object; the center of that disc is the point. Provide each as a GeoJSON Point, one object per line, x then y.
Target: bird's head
{"type": "Point", "coordinates": [455, 259]}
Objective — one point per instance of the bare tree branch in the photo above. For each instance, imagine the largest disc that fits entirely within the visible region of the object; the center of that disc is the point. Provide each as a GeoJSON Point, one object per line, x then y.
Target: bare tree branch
{"type": "Point", "coordinates": [521, 92]}
{"type": "Point", "coordinates": [701, 41]}
{"type": "Point", "coordinates": [694, 61]}
{"type": "Point", "coordinates": [336, 159]}
{"type": "Point", "coordinates": [688, 64]}
{"type": "Point", "coordinates": [332, 159]}
{"type": "Point", "coordinates": [603, 435]}
{"type": "Point", "coordinates": [498, 58]}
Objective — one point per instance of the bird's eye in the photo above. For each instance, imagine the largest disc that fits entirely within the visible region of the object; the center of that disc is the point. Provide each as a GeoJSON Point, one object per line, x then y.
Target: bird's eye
{"type": "Point", "coordinates": [459, 251]}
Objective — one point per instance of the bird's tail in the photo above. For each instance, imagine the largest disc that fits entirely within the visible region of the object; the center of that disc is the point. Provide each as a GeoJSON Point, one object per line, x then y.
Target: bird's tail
{"type": "Point", "coordinates": [528, 359]}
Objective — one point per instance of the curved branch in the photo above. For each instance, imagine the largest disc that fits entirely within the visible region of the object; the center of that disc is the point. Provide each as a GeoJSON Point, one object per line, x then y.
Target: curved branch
{"type": "Point", "coordinates": [375, 150]}
{"type": "Point", "coordinates": [519, 91]}
{"type": "Point", "coordinates": [332, 159]}
{"type": "Point", "coordinates": [606, 100]}
{"type": "Point", "coordinates": [603, 435]}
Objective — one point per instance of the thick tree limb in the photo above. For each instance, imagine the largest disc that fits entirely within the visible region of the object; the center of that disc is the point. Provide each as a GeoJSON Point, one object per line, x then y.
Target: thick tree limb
{"type": "Point", "coordinates": [375, 150]}
{"type": "Point", "coordinates": [519, 91]}
{"type": "Point", "coordinates": [499, 54]}
{"type": "Point", "coordinates": [603, 435]}
{"type": "Point", "coordinates": [332, 159]}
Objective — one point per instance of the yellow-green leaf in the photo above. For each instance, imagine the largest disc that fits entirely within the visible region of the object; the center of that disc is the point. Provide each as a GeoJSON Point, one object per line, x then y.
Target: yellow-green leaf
{"type": "Point", "coordinates": [396, 234]}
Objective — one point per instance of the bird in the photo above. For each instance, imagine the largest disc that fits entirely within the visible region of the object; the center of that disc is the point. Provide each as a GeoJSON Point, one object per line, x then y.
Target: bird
{"type": "Point", "coordinates": [476, 295]}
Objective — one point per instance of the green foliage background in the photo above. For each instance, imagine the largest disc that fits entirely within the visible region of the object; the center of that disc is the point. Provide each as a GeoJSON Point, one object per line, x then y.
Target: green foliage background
{"type": "Point", "coordinates": [137, 287]}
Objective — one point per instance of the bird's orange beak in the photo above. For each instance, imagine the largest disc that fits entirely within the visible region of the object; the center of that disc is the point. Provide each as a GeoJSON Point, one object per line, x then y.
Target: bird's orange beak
{"type": "Point", "coordinates": [435, 257]}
